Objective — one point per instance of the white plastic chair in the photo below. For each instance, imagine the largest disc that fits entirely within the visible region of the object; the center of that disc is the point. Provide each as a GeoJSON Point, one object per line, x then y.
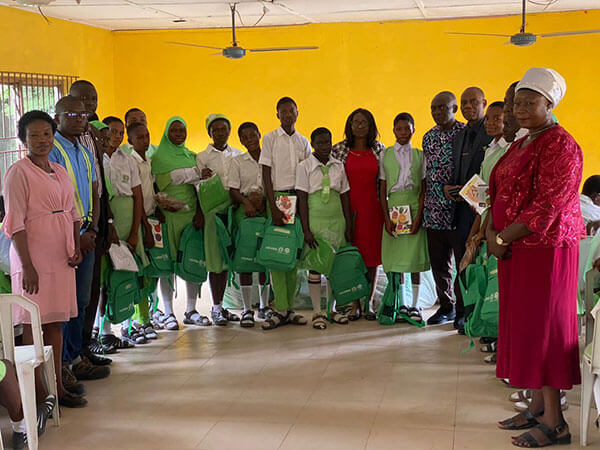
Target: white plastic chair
{"type": "Point", "coordinates": [26, 358]}
{"type": "Point", "coordinates": [591, 355]}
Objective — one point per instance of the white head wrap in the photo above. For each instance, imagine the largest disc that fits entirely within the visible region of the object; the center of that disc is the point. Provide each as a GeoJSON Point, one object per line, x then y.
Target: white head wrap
{"type": "Point", "coordinates": [547, 82]}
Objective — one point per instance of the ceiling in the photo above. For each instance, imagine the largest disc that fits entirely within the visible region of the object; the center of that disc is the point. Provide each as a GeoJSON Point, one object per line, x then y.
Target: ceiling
{"type": "Point", "coordinates": [181, 14]}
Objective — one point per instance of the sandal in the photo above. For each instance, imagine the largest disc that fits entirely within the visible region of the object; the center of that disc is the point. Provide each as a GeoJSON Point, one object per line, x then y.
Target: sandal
{"type": "Point", "coordinates": [521, 396]}
{"type": "Point", "coordinates": [265, 313]}
{"type": "Point", "coordinates": [402, 311]}
{"type": "Point", "coordinates": [521, 421]}
{"type": "Point", "coordinates": [490, 359]}
{"type": "Point", "coordinates": [487, 340]}
{"type": "Point", "coordinates": [416, 314]}
{"type": "Point", "coordinates": [133, 337]}
{"type": "Point", "coordinates": [170, 323]}
{"type": "Point", "coordinates": [336, 317]}
{"type": "Point", "coordinates": [194, 318]}
{"type": "Point", "coordinates": [98, 349]}
{"type": "Point", "coordinates": [296, 319]}
{"type": "Point", "coordinates": [157, 320]}
{"type": "Point", "coordinates": [247, 319]}
{"type": "Point", "coordinates": [231, 317]}
{"type": "Point", "coordinates": [489, 348]}
{"type": "Point", "coordinates": [319, 322]}
{"type": "Point", "coordinates": [112, 341]}
{"type": "Point", "coordinates": [522, 406]}
{"type": "Point", "coordinates": [148, 331]}
{"type": "Point", "coordinates": [275, 321]}
{"type": "Point", "coordinates": [370, 316]}
{"type": "Point", "coordinates": [545, 437]}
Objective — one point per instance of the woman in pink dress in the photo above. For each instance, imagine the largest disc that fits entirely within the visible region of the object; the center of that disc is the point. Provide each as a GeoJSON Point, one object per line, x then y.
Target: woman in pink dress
{"type": "Point", "coordinates": [360, 154]}
{"type": "Point", "coordinates": [43, 223]}
{"type": "Point", "coordinates": [535, 231]}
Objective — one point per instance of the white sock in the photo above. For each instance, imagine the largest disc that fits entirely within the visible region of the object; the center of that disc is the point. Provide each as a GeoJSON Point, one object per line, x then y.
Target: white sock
{"type": "Point", "coordinates": [314, 289]}
{"type": "Point", "coordinates": [19, 427]}
{"type": "Point", "coordinates": [125, 324]}
{"type": "Point", "coordinates": [264, 295]}
{"type": "Point", "coordinates": [106, 328]}
{"type": "Point", "coordinates": [247, 297]}
{"type": "Point", "coordinates": [192, 295]}
{"type": "Point", "coordinates": [98, 318]}
{"type": "Point", "coordinates": [216, 308]}
{"type": "Point", "coordinates": [328, 295]}
{"type": "Point", "coordinates": [415, 294]}
{"type": "Point", "coordinates": [166, 291]}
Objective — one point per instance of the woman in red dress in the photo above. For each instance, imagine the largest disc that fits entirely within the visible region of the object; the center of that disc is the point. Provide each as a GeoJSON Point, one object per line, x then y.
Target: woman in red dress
{"type": "Point", "coordinates": [535, 231]}
{"type": "Point", "coordinates": [360, 154]}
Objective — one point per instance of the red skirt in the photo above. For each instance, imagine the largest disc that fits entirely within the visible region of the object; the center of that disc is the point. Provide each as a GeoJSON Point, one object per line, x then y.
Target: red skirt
{"type": "Point", "coordinates": [538, 342]}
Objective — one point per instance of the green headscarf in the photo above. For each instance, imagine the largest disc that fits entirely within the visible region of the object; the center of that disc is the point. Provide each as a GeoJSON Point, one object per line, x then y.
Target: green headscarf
{"type": "Point", "coordinates": [98, 125]}
{"type": "Point", "coordinates": [169, 156]}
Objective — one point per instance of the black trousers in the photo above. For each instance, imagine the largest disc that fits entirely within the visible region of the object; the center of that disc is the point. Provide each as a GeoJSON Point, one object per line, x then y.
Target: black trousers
{"type": "Point", "coordinates": [90, 312]}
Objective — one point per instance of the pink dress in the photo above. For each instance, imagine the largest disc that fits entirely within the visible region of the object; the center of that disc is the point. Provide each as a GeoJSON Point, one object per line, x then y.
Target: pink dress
{"type": "Point", "coordinates": [42, 204]}
{"type": "Point", "coordinates": [538, 186]}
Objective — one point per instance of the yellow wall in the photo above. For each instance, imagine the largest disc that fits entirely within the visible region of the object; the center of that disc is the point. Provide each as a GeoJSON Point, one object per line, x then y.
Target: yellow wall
{"type": "Point", "coordinates": [387, 67]}
{"type": "Point", "coordinates": [29, 44]}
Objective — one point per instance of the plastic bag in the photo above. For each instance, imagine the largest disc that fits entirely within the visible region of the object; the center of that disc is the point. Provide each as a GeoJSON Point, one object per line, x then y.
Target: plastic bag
{"type": "Point", "coordinates": [318, 259]}
{"type": "Point", "coordinates": [4, 253]}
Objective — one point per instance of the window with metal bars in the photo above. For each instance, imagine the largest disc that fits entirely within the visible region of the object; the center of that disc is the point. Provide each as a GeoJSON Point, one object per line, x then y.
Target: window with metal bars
{"type": "Point", "coordinates": [21, 92]}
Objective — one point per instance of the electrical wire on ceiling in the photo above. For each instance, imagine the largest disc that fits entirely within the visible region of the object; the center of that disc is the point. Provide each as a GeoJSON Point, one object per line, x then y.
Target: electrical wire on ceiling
{"type": "Point", "coordinates": [543, 3]}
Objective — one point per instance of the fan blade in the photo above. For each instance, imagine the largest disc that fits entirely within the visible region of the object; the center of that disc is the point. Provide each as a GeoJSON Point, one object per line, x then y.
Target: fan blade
{"type": "Point", "coordinates": [569, 33]}
{"type": "Point", "coordinates": [280, 49]}
{"type": "Point", "coordinates": [478, 34]}
{"type": "Point", "coordinates": [192, 45]}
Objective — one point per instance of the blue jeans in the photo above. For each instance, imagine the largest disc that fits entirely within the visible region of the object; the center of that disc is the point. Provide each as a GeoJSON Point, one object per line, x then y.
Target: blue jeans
{"type": "Point", "coordinates": [73, 329]}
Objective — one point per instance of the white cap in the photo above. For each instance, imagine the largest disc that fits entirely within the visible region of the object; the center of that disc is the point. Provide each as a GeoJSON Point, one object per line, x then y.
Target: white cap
{"type": "Point", "coordinates": [545, 81]}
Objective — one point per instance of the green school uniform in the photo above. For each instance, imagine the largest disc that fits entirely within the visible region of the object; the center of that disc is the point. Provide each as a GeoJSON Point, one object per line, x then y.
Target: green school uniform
{"type": "Point", "coordinates": [406, 253]}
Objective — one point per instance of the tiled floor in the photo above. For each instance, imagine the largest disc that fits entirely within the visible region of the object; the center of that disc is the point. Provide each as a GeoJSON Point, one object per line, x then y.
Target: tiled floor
{"type": "Point", "coordinates": [360, 386]}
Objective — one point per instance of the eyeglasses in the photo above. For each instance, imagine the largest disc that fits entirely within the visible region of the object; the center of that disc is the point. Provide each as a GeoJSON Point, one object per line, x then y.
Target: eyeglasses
{"type": "Point", "coordinates": [75, 115]}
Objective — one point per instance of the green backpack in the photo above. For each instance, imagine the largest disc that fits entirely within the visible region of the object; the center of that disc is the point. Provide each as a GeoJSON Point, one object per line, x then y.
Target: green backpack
{"type": "Point", "coordinates": [318, 259]}
{"type": "Point", "coordinates": [247, 244]}
{"type": "Point", "coordinates": [224, 236]}
{"type": "Point", "coordinates": [348, 277]}
{"type": "Point", "coordinates": [391, 300]}
{"type": "Point", "coordinates": [161, 264]}
{"type": "Point", "coordinates": [213, 196]}
{"type": "Point", "coordinates": [479, 285]}
{"type": "Point", "coordinates": [281, 246]}
{"type": "Point", "coordinates": [191, 262]}
{"type": "Point", "coordinates": [123, 292]}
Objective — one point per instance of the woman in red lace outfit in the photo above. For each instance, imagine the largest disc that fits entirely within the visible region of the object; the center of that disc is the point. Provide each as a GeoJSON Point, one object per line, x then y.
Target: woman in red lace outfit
{"type": "Point", "coordinates": [535, 231]}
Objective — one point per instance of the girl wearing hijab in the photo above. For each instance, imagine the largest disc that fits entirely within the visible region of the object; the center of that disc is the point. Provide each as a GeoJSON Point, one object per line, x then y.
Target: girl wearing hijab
{"type": "Point", "coordinates": [174, 166]}
{"type": "Point", "coordinates": [534, 231]}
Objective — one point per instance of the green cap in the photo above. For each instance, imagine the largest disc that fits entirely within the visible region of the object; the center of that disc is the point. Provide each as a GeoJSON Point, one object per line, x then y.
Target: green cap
{"type": "Point", "coordinates": [99, 125]}
{"type": "Point", "coordinates": [211, 118]}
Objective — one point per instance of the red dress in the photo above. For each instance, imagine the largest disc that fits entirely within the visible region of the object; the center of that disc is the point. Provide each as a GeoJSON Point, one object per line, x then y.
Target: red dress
{"type": "Point", "coordinates": [538, 186]}
{"type": "Point", "coordinates": [362, 169]}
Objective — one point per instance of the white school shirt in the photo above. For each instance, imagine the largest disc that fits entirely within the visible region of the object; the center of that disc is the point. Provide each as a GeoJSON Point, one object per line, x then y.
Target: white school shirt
{"type": "Point", "coordinates": [147, 181]}
{"type": "Point", "coordinates": [404, 157]}
{"type": "Point", "coordinates": [123, 173]}
{"type": "Point", "coordinates": [216, 160]}
{"type": "Point", "coordinates": [309, 177]}
{"type": "Point", "coordinates": [245, 174]}
{"type": "Point", "coordinates": [128, 148]}
{"type": "Point", "coordinates": [282, 153]}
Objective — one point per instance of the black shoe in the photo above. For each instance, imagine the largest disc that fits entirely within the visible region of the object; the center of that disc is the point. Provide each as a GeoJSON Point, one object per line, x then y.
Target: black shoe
{"type": "Point", "coordinates": [72, 401]}
{"type": "Point", "coordinates": [459, 324]}
{"type": "Point", "coordinates": [44, 410]}
{"type": "Point", "coordinates": [441, 317]}
{"type": "Point", "coordinates": [19, 440]}
{"type": "Point", "coordinates": [95, 359]}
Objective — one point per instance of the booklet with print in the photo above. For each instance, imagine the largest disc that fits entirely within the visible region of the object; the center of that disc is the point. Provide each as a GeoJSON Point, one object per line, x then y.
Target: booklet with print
{"type": "Point", "coordinates": [287, 205]}
{"type": "Point", "coordinates": [122, 258]}
{"type": "Point", "coordinates": [401, 219]}
{"type": "Point", "coordinates": [476, 193]}
{"type": "Point", "coordinates": [156, 233]}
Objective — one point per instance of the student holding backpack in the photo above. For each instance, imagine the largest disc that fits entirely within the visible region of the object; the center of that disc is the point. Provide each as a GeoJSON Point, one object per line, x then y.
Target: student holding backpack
{"type": "Point", "coordinates": [213, 163]}
{"type": "Point", "coordinates": [402, 193]}
{"type": "Point", "coordinates": [324, 207]}
{"type": "Point", "coordinates": [246, 190]}
{"type": "Point", "coordinates": [174, 167]}
{"type": "Point", "coordinates": [283, 149]}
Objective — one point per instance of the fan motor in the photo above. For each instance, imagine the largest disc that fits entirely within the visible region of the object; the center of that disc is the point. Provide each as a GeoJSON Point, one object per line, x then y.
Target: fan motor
{"type": "Point", "coordinates": [523, 39]}
{"type": "Point", "coordinates": [234, 52]}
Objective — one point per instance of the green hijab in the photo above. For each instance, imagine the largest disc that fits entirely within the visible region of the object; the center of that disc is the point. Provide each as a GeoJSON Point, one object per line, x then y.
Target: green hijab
{"type": "Point", "coordinates": [168, 156]}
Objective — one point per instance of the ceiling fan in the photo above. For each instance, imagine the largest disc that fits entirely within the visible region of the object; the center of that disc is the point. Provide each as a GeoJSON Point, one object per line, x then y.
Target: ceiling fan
{"type": "Point", "coordinates": [522, 38]}
{"type": "Point", "coordinates": [235, 51]}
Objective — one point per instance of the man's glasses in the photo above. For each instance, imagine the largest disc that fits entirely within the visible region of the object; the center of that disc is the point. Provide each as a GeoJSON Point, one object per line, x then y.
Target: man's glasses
{"type": "Point", "coordinates": [75, 115]}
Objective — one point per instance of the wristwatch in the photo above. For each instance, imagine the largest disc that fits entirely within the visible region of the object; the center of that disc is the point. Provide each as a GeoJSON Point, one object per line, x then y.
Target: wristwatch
{"type": "Point", "coordinates": [501, 242]}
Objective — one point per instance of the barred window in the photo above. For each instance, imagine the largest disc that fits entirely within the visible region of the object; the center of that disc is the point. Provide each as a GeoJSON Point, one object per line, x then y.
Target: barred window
{"type": "Point", "coordinates": [21, 92]}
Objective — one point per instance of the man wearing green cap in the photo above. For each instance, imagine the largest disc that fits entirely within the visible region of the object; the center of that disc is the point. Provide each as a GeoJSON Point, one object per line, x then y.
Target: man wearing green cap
{"type": "Point", "coordinates": [215, 161]}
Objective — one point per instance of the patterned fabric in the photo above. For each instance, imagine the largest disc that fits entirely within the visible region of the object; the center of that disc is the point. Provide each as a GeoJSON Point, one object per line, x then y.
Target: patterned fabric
{"type": "Point", "coordinates": [437, 149]}
{"type": "Point", "coordinates": [341, 150]}
{"type": "Point", "coordinates": [538, 186]}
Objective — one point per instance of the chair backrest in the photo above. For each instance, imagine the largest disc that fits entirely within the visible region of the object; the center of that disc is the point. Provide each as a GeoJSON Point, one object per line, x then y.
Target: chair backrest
{"type": "Point", "coordinates": [6, 325]}
{"type": "Point", "coordinates": [592, 316]}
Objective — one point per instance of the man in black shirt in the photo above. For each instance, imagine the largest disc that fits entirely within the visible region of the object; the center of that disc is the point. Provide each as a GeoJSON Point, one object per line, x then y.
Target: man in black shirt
{"type": "Point", "coordinates": [468, 153]}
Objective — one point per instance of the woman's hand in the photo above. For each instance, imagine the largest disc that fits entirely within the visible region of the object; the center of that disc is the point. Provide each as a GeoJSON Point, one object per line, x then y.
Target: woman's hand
{"type": "Point", "coordinates": [415, 227]}
{"type": "Point", "coordinates": [277, 216]}
{"type": "Point", "coordinates": [499, 251]}
{"type": "Point", "coordinates": [249, 208]}
{"type": "Point", "coordinates": [76, 259]}
{"type": "Point", "coordinates": [31, 281]}
{"type": "Point", "coordinates": [87, 242]}
{"type": "Point", "coordinates": [206, 173]}
{"type": "Point", "coordinates": [389, 226]}
{"type": "Point", "coordinates": [132, 240]}
{"type": "Point", "coordinates": [309, 238]}
{"type": "Point", "coordinates": [113, 237]}
{"type": "Point", "coordinates": [198, 220]}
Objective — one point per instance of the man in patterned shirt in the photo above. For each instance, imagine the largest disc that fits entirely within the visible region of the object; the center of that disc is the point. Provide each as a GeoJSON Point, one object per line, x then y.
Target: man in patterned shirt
{"type": "Point", "coordinates": [438, 211]}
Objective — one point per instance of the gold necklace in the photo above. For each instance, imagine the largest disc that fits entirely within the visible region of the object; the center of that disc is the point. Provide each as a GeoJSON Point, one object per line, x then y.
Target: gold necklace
{"type": "Point", "coordinates": [535, 134]}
